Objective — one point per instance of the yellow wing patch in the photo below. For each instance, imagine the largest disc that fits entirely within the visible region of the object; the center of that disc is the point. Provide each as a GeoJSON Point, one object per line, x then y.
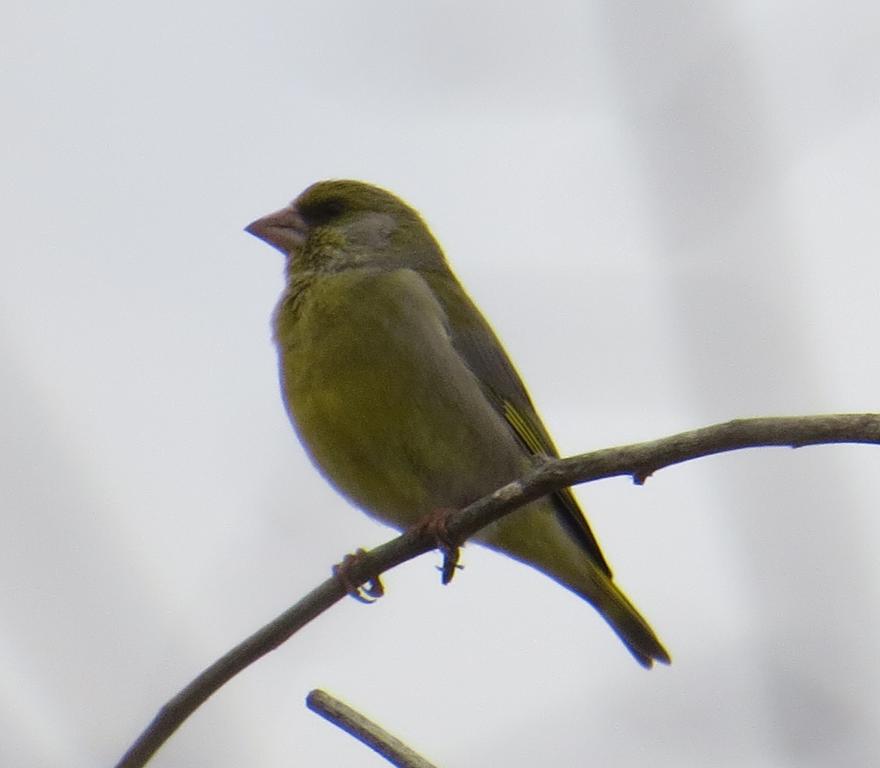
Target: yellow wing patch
{"type": "Point", "coordinates": [524, 431]}
{"type": "Point", "coordinates": [537, 445]}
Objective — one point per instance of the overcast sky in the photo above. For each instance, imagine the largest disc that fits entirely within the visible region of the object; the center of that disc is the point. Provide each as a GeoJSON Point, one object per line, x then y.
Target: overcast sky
{"type": "Point", "coordinates": [669, 212]}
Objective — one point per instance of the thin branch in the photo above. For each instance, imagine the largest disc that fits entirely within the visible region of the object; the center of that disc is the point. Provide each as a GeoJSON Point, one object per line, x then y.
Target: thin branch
{"type": "Point", "coordinates": [639, 460]}
{"type": "Point", "coordinates": [364, 730]}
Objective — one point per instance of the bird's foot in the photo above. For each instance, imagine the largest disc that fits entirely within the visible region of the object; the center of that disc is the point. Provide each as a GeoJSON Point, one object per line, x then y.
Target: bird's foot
{"type": "Point", "coordinates": [363, 594]}
{"type": "Point", "coordinates": [434, 524]}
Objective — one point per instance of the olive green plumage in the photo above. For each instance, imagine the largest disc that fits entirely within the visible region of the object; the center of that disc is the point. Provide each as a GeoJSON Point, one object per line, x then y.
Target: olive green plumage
{"type": "Point", "coordinates": [404, 397]}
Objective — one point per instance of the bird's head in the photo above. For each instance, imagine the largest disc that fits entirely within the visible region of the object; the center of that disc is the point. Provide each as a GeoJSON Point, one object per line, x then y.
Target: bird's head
{"type": "Point", "coordinates": [337, 225]}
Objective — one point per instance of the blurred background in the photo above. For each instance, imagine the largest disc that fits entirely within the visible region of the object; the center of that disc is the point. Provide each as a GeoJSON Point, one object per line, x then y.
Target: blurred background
{"type": "Point", "coordinates": [668, 210]}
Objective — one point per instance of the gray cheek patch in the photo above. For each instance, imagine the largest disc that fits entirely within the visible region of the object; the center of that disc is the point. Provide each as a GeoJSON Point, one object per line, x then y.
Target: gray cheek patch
{"type": "Point", "coordinates": [370, 230]}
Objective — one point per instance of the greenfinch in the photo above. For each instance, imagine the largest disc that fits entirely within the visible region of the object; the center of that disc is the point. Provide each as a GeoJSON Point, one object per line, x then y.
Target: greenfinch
{"type": "Point", "coordinates": [404, 397]}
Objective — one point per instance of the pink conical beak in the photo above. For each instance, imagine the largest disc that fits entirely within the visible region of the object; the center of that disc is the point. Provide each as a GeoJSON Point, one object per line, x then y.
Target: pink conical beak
{"type": "Point", "coordinates": [285, 229]}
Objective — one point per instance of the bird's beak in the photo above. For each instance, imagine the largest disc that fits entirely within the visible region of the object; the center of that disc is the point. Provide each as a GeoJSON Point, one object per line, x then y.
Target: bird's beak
{"type": "Point", "coordinates": [285, 230]}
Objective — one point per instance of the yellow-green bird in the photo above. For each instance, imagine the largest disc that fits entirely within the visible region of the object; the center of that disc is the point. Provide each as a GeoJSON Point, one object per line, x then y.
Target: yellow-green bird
{"type": "Point", "coordinates": [403, 395]}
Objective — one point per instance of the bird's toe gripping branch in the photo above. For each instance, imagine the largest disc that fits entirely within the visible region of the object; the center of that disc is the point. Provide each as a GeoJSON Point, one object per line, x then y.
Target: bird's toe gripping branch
{"type": "Point", "coordinates": [355, 587]}
{"type": "Point", "coordinates": [434, 524]}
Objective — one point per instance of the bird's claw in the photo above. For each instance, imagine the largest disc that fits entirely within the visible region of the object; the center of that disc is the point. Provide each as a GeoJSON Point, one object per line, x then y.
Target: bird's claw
{"type": "Point", "coordinates": [435, 526]}
{"type": "Point", "coordinates": [363, 594]}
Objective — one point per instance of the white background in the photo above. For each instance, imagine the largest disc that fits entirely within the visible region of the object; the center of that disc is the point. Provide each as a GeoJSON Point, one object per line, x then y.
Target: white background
{"type": "Point", "coordinates": [669, 211]}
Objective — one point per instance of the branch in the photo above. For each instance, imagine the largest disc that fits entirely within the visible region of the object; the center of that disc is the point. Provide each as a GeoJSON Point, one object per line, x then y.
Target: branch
{"type": "Point", "coordinates": [364, 730]}
{"type": "Point", "coordinates": [639, 460]}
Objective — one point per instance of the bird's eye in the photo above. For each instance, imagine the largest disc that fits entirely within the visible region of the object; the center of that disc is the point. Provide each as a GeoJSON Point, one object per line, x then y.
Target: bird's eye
{"type": "Point", "coordinates": [325, 210]}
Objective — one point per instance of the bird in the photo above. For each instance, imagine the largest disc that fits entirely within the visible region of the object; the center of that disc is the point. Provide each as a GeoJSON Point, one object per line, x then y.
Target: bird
{"type": "Point", "coordinates": [403, 396]}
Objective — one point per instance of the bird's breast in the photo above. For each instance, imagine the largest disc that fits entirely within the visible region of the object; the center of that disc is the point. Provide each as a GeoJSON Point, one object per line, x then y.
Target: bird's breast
{"type": "Point", "coordinates": [381, 400]}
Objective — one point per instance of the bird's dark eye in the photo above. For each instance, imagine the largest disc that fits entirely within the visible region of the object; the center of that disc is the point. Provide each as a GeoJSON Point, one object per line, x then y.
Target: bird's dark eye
{"type": "Point", "coordinates": [325, 210]}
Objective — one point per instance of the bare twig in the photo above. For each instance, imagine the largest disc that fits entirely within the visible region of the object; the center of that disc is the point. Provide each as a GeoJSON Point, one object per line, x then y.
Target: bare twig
{"type": "Point", "coordinates": [364, 730]}
{"type": "Point", "coordinates": [639, 460]}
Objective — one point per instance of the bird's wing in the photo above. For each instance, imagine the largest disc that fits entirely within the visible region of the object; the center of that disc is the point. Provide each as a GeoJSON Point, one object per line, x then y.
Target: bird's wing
{"type": "Point", "coordinates": [482, 352]}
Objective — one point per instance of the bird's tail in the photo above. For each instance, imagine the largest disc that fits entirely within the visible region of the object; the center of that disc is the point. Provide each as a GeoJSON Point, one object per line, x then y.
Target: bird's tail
{"type": "Point", "coordinates": [526, 536]}
{"type": "Point", "coordinates": [625, 620]}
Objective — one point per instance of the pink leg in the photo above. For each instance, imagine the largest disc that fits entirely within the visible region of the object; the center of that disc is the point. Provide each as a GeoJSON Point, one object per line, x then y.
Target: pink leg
{"type": "Point", "coordinates": [369, 594]}
{"type": "Point", "coordinates": [434, 524]}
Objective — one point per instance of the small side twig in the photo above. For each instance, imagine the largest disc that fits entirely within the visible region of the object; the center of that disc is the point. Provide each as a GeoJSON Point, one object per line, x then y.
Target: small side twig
{"type": "Point", "coordinates": [638, 460]}
{"type": "Point", "coordinates": [365, 730]}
